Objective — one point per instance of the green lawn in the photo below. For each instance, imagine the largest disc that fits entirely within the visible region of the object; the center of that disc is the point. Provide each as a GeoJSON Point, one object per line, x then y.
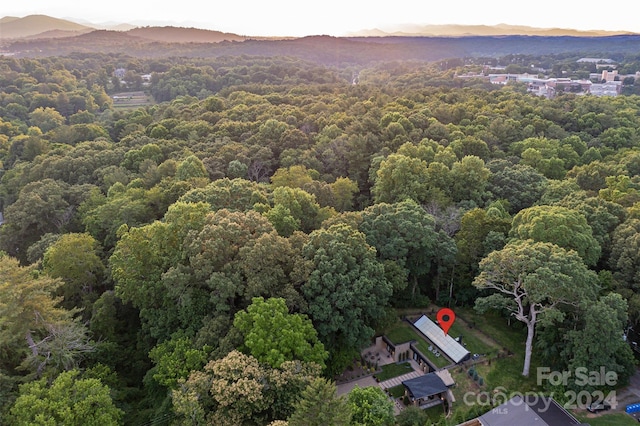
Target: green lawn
{"type": "Point", "coordinates": [473, 343]}
{"type": "Point", "coordinates": [614, 419]}
{"type": "Point", "coordinates": [438, 361]}
{"type": "Point", "coordinates": [397, 391]}
{"type": "Point", "coordinates": [506, 372]}
{"type": "Point", "coordinates": [435, 413]}
{"type": "Point", "coordinates": [390, 371]}
{"type": "Point", "coordinates": [401, 332]}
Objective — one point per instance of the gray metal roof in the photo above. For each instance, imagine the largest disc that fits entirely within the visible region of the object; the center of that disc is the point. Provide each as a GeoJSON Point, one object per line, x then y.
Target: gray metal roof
{"type": "Point", "coordinates": [444, 342]}
{"type": "Point", "coordinates": [532, 411]}
{"type": "Point", "coordinates": [425, 386]}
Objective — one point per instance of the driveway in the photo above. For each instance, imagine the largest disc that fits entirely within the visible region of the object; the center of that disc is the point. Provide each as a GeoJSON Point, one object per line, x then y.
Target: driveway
{"type": "Point", "coordinates": [624, 396]}
{"type": "Point", "coordinates": [364, 382]}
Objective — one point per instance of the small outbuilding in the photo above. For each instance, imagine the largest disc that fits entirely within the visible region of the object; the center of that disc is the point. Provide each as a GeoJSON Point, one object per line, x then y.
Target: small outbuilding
{"type": "Point", "coordinates": [426, 391]}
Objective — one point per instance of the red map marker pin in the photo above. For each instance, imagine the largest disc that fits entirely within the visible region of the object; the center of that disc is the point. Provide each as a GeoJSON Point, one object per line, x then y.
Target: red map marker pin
{"type": "Point", "coordinates": [445, 317]}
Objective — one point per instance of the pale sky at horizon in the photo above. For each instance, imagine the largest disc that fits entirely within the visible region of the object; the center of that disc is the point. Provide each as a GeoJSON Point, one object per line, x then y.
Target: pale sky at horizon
{"type": "Point", "coordinates": [332, 17]}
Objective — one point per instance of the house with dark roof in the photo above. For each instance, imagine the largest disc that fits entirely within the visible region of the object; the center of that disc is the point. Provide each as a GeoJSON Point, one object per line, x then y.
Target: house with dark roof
{"type": "Point", "coordinates": [426, 391]}
{"type": "Point", "coordinates": [530, 410]}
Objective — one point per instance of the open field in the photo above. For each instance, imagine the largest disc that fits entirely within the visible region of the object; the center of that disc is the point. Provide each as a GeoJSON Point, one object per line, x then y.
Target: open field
{"type": "Point", "coordinates": [126, 100]}
{"type": "Point", "coordinates": [614, 419]}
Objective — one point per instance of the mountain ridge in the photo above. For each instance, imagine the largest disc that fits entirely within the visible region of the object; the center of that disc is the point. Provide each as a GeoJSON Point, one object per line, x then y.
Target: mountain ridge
{"type": "Point", "coordinates": [459, 30]}
{"type": "Point", "coordinates": [32, 25]}
{"type": "Point", "coordinates": [43, 26]}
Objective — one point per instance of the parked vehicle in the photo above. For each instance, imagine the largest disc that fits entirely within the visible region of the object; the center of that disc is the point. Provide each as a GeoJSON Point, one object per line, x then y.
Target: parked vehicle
{"type": "Point", "coordinates": [599, 406]}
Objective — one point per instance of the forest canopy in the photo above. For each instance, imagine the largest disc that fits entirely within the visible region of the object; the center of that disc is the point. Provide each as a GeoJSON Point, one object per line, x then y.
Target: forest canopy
{"type": "Point", "coordinates": [258, 220]}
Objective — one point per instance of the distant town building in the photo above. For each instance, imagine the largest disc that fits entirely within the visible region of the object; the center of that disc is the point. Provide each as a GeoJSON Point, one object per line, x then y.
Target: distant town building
{"type": "Point", "coordinates": [596, 60]}
{"type": "Point", "coordinates": [609, 75]}
{"type": "Point", "coordinates": [610, 88]}
{"type": "Point", "coordinates": [119, 73]}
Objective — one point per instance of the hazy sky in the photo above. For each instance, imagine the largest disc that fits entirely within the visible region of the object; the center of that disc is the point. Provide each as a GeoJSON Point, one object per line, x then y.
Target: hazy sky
{"type": "Point", "coordinates": [334, 17]}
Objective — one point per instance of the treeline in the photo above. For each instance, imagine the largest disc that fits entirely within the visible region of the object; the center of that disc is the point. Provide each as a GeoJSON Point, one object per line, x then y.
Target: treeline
{"type": "Point", "coordinates": [143, 245]}
{"type": "Point", "coordinates": [331, 51]}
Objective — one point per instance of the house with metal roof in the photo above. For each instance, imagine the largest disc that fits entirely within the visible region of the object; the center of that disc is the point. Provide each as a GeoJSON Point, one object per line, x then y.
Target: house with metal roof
{"type": "Point", "coordinates": [445, 343]}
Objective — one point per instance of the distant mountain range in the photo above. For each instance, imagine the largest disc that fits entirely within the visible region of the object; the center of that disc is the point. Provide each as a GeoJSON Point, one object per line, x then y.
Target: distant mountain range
{"type": "Point", "coordinates": [43, 27]}
{"type": "Point", "coordinates": [32, 25]}
{"type": "Point", "coordinates": [40, 36]}
{"type": "Point", "coordinates": [482, 30]}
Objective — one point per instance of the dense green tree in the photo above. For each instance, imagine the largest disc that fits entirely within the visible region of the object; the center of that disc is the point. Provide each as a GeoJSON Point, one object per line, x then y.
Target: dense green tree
{"type": "Point", "coordinates": [273, 335]}
{"type": "Point", "coordinates": [530, 279]}
{"type": "Point", "coordinates": [469, 178]}
{"type": "Point", "coordinates": [46, 118]}
{"type": "Point", "coordinates": [481, 232]}
{"type": "Point", "coordinates": [174, 359]}
{"type": "Point", "coordinates": [191, 168]}
{"type": "Point", "coordinates": [598, 342]}
{"type": "Point", "coordinates": [625, 248]}
{"type": "Point", "coordinates": [46, 206]}
{"type": "Point", "coordinates": [370, 406]}
{"type": "Point", "coordinates": [271, 268]}
{"type": "Point", "coordinates": [558, 225]}
{"type": "Point", "coordinates": [400, 177]}
{"type": "Point", "coordinates": [294, 177]}
{"type": "Point", "coordinates": [69, 400]}
{"type": "Point", "coordinates": [412, 416]}
{"type": "Point", "coordinates": [520, 185]}
{"type": "Point", "coordinates": [319, 406]}
{"type": "Point", "coordinates": [75, 259]}
{"type": "Point", "coordinates": [404, 233]}
{"type": "Point", "coordinates": [142, 257]}
{"type": "Point", "coordinates": [346, 289]}
{"type": "Point", "coordinates": [296, 206]}
{"type": "Point", "coordinates": [231, 194]}
{"type": "Point", "coordinates": [602, 216]}
{"type": "Point", "coordinates": [343, 191]}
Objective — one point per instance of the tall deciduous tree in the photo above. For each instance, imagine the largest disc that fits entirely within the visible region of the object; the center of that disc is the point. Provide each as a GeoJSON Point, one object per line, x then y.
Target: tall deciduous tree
{"type": "Point", "coordinates": [273, 335]}
{"type": "Point", "coordinates": [237, 389]}
{"type": "Point", "coordinates": [400, 177]}
{"type": "Point", "coordinates": [530, 279]}
{"type": "Point", "coordinates": [75, 259]}
{"type": "Point", "coordinates": [346, 290]}
{"type": "Point", "coordinates": [625, 252]}
{"type": "Point", "coordinates": [558, 225]}
{"type": "Point", "coordinates": [404, 233]}
{"type": "Point", "coordinates": [598, 342]}
{"type": "Point", "coordinates": [27, 310]}
{"type": "Point", "coordinates": [68, 400]}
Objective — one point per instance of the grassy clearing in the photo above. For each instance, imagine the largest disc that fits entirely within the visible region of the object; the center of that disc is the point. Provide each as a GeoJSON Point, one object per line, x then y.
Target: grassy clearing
{"type": "Point", "coordinates": [473, 342]}
{"type": "Point", "coordinates": [434, 413]}
{"type": "Point", "coordinates": [614, 419]}
{"type": "Point", "coordinates": [397, 391]}
{"type": "Point", "coordinates": [389, 371]}
{"type": "Point", "coordinates": [131, 100]}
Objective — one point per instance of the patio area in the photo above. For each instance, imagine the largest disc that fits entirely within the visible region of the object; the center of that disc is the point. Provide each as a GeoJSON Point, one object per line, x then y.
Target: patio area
{"type": "Point", "coordinates": [377, 356]}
